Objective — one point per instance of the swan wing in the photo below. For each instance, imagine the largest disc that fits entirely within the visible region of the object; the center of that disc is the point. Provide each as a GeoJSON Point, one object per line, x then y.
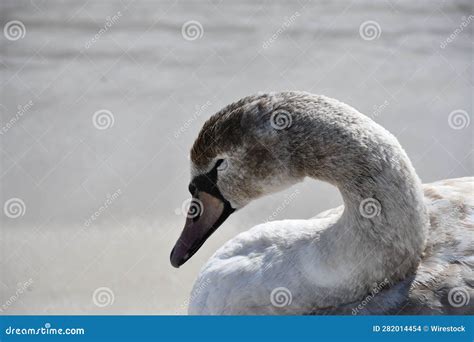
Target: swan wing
{"type": "Point", "coordinates": [444, 280]}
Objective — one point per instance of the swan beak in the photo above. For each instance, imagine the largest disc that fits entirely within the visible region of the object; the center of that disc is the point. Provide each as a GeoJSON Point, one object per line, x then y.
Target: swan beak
{"type": "Point", "coordinates": [206, 213]}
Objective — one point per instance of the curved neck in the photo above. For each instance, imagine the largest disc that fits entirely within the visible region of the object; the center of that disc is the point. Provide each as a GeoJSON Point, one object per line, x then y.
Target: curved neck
{"type": "Point", "coordinates": [381, 232]}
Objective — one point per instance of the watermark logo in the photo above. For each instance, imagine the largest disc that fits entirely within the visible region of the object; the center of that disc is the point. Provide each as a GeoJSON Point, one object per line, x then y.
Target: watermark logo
{"type": "Point", "coordinates": [22, 287]}
{"type": "Point", "coordinates": [286, 24]}
{"type": "Point", "coordinates": [185, 126]}
{"type": "Point", "coordinates": [109, 22]}
{"type": "Point", "coordinates": [464, 23]}
{"type": "Point", "coordinates": [191, 208]}
{"type": "Point", "coordinates": [14, 30]}
{"type": "Point", "coordinates": [370, 30]}
{"type": "Point", "coordinates": [370, 207]}
{"type": "Point", "coordinates": [378, 109]}
{"type": "Point", "coordinates": [281, 297]}
{"type": "Point", "coordinates": [103, 296]}
{"type": "Point", "coordinates": [459, 119]}
{"type": "Point", "coordinates": [47, 329]}
{"type": "Point", "coordinates": [288, 199]}
{"type": "Point", "coordinates": [103, 119]}
{"type": "Point", "coordinates": [14, 208]}
{"type": "Point", "coordinates": [194, 294]}
{"type": "Point", "coordinates": [108, 201]}
{"type": "Point", "coordinates": [21, 110]}
{"type": "Point", "coordinates": [192, 30]}
{"type": "Point", "coordinates": [281, 119]}
{"type": "Point", "coordinates": [458, 297]}
{"type": "Point", "coordinates": [373, 293]}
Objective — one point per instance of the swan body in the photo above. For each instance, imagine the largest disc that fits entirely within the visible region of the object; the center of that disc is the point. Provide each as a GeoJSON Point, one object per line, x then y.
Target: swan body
{"type": "Point", "coordinates": [395, 246]}
{"type": "Point", "coordinates": [243, 273]}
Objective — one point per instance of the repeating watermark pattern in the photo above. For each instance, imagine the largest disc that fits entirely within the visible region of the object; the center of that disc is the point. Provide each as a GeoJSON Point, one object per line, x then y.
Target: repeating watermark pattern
{"type": "Point", "coordinates": [288, 199]}
{"type": "Point", "coordinates": [281, 119]}
{"type": "Point", "coordinates": [14, 30]}
{"type": "Point", "coordinates": [370, 207]}
{"type": "Point", "coordinates": [378, 109]}
{"type": "Point", "coordinates": [196, 291]}
{"type": "Point", "coordinates": [288, 21]}
{"type": "Point", "coordinates": [192, 30]}
{"type": "Point", "coordinates": [108, 201]}
{"type": "Point", "coordinates": [370, 30]}
{"type": "Point", "coordinates": [370, 296]}
{"type": "Point", "coordinates": [191, 208]}
{"type": "Point", "coordinates": [464, 23]}
{"type": "Point", "coordinates": [14, 208]}
{"type": "Point", "coordinates": [109, 22]}
{"type": "Point", "coordinates": [459, 119]}
{"type": "Point", "coordinates": [185, 126]}
{"type": "Point", "coordinates": [458, 297]}
{"type": "Point", "coordinates": [281, 297]}
{"type": "Point", "coordinates": [21, 110]}
{"type": "Point", "coordinates": [103, 119]}
{"type": "Point", "coordinates": [22, 287]}
{"type": "Point", "coordinates": [103, 296]}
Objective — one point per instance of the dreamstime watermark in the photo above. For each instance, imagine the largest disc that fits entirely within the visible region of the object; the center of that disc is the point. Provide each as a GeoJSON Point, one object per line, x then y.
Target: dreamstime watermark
{"type": "Point", "coordinates": [109, 22]}
{"type": "Point", "coordinates": [21, 110]}
{"type": "Point", "coordinates": [281, 297]}
{"type": "Point", "coordinates": [378, 109]}
{"type": "Point", "coordinates": [459, 119]}
{"type": "Point", "coordinates": [47, 329]}
{"type": "Point", "coordinates": [185, 126]}
{"type": "Point", "coordinates": [103, 296]}
{"type": "Point", "coordinates": [288, 199]}
{"type": "Point", "coordinates": [370, 207]}
{"type": "Point", "coordinates": [14, 30]}
{"type": "Point", "coordinates": [281, 119]}
{"type": "Point", "coordinates": [190, 208]}
{"type": "Point", "coordinates": [288, 21]}
{"type": "Point", "coordinates": [370, 30]}
{"type": "Point", "coordinates": [192, 30]}
{"type": "Point", "coordinates": [373, 293]}
{"type": "Point", "coordinates": [464, 23]}
{"type": "Point", "coordinates": [196, 291]}
{"type": "Point", "coordinates": [14, 208]}
{"type": "Point", "coordinates": [22, 287]}
{"type": "Point", "coordinates": [108, 201]}
{"type": "Point", "coordinates": [103, 119]}
{"type": "Point", "coordinates": [458, 297]}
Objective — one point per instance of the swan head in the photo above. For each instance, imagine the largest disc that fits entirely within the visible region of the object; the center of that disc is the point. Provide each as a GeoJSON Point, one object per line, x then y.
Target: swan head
{"type": "Point", "coordinates": [242, 152]}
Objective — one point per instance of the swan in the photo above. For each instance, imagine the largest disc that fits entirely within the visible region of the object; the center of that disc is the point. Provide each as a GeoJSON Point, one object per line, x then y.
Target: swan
{"type": "Point", "coordinates": [394, 247]}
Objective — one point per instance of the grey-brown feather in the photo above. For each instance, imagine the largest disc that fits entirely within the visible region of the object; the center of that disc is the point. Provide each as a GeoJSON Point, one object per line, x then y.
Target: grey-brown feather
{"type": "Point", "coordinates": [424, 239]}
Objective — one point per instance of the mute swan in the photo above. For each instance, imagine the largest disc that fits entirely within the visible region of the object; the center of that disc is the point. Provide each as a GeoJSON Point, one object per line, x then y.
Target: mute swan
{"type": "Point", "coordinates": [395, 247]}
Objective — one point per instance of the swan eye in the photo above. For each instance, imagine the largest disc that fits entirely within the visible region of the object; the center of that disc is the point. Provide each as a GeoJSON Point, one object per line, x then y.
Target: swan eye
{"type": "Point", "coordinates": [219, 164]}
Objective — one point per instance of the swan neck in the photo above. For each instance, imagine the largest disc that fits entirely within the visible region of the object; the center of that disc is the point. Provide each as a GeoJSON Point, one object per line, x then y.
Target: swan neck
{"type": "Point", "coordinates": [384, 220]}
